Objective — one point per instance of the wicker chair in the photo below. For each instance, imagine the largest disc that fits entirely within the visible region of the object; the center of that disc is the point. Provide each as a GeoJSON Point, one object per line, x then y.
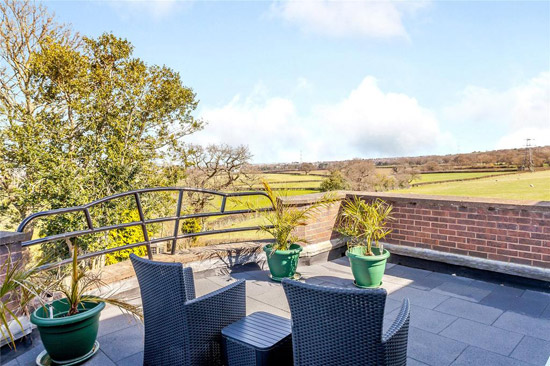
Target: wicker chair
{"type": "Point", "coordinates": [179, 328]}
{"type": "Point", "coordinates": [343, 326]}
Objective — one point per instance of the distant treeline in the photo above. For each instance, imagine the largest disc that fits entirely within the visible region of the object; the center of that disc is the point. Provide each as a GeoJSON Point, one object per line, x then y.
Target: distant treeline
{"type": "Point", "coordinates": [495, 160]}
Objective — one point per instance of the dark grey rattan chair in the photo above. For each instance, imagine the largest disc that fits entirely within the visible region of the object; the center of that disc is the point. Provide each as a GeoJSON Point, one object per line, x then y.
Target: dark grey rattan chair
{"type": "Point", "coordinates": [343, 326]}
{"type": "Point", "coordinates": [179, 328]}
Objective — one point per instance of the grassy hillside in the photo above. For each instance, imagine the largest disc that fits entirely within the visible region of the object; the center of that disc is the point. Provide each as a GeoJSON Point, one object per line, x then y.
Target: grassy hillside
{"type": "Point", "coordinates": [523, 186]}
{"type": "Point", "coordinates": [436, 177]}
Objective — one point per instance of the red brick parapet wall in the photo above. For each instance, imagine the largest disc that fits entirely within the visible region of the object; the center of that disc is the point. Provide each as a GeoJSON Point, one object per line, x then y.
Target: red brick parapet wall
{"type": "Point", "coordinates": [320, 227]}
{"type": "Point", "coordinates": [516, 232]}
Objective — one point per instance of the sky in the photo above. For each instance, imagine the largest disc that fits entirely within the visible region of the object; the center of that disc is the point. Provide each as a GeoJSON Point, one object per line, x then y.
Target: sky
{"type": "Point", "coordinates": [332, 80]}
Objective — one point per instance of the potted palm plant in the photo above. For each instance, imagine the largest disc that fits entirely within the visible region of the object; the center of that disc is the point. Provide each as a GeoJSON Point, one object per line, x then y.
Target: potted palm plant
{"type": "Point", "coordinates": [364, 224]}
{"type": "Point", "coordinates": [284, 252]}
{"type": "Point", "coordinates": [68, 326]}
{"type": "Point", "coordinates": [17, 285]}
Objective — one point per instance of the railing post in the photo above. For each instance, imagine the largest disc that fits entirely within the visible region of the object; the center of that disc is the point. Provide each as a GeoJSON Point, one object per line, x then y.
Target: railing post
{"type": "Point", "coordinates": [177, 223]}
{"type": "Point", "coordinates": [10, 247]}
{"type": "Point", "coordinates": [143, 226]}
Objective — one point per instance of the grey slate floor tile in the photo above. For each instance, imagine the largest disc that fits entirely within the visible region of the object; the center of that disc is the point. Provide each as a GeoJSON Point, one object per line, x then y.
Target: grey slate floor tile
{"type": "Point", "coordinates": [444, 277]}
{"type": "Point", "coordinates": [508, 291]}
{"type": "Point", "coordinates": [29, 357]}
{"type": "Point", "coordinates": [464, 291]}
{"type": "Point", "coordinates": [533, 350]}
{"type": "Point", "coordinates": [536, 295]}
{"type": "Point", "coordinates": [413, 362]}
{"type": "Point", "coordinates": [204, 286]}
{"type": "Point", "coordinates": [433, 349]}
{"type": "Point", "coordinates": [124, 343]}
{"type": "Point", "coordinates": [427, 319]}
{"type": "Point", "coordinates": [469, 310]}
{"type": "Point", "coordinates": [515, 304]}
{"type": "Point", "coordinates": [534, 327]}
{"type": "Point", "coordinates": [11, 363]}
{"type": "Point", "coordinates": [425, 299]}
{"type": "Point", "coordinates": [112, 320]}
{"type": "Point", "coordinates": [408, 272]}
{"type": "Point", "coordinates": [474, 356]}
{"type": "Point", "coordinates": [253, 306]}
{"type": "Point", "coordinates": [133, 360]}
{"type": "Point", "coordinates": [483, 336]}
{"type": "Point", "coordinates": [99, 359]}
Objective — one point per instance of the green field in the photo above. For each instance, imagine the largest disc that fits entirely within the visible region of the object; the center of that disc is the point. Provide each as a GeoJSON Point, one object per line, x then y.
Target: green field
{"type": "Point", "coordinates": [273, 178]}
{"type": "Point", "coordinates": [436, 177]}
{"type": "Point", "coordinates": [522, 186]}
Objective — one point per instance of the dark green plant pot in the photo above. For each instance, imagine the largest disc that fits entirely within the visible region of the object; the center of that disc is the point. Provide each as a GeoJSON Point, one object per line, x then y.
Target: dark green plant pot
{"type": "Point", "coordinates": [367, 270]}
{"type": "Point", "coordinates": [282, 263]}
{"type": "Point", "coordinates": [68, 337]}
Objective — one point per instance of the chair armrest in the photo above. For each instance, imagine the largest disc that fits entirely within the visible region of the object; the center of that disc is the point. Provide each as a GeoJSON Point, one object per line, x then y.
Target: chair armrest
{"type": "Point", "coordinates": [394, 342]}
{"type": "Point", "coordinates": [208, 315]}
{"type": "Point", "coordinates": [189, 283]}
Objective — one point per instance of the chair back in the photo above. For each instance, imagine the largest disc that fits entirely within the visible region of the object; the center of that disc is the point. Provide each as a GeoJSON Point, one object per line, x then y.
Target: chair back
{"type": "Point", "coordinates": [335, 326]}
{"type": "Point", "coordinates": [164, 292]}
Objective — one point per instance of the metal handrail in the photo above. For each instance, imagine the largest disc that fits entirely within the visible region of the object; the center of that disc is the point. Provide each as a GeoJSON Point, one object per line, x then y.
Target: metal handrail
{"type": "Point", "coordinates": [142, 221]}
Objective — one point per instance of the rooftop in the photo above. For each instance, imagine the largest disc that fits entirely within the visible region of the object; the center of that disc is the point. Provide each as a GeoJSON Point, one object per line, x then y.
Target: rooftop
{"type": "Point", "coordinates": [454, 320]}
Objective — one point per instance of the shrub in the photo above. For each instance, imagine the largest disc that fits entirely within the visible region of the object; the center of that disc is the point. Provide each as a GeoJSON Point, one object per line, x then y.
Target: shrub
{"type": "Point", "coordinates": [334, 182]}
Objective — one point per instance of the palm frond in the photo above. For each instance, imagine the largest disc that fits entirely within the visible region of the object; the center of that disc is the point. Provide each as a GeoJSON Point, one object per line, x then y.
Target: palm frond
{"type": "Point", "coordinates": [285, 218]}
{"type": "Point", "coordinates": [364, 223]}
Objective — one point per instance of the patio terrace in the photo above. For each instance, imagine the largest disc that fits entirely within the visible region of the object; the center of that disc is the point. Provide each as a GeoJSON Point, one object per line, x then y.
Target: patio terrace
{"type": "Point", "coordinates": [454, 320]}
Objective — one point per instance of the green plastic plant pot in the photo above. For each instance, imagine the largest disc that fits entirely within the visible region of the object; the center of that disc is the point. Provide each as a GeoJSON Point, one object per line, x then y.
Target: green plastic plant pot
{"type": "Point", "coordinates": [367, 270]}
{"type": "Point", "coordinates": [282, 263]}
{"type": "Point", "coordinates": [64, 337]}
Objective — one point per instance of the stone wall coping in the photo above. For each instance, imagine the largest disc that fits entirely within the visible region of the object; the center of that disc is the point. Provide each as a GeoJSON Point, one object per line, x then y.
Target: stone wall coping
{"type": "Point", "coordinates": [11, 237]}
{"type": "Point", "coordinates": [414, 198]}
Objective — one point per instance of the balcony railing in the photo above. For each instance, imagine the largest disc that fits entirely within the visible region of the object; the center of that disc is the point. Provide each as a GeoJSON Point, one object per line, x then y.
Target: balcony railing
{"type": "Point", "coordinates": [143, 222]}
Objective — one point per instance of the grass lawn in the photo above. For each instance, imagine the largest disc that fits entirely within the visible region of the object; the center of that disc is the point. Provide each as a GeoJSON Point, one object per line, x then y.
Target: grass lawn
{"type": "Point", "coordinates": [522, 186]}
{"type": "Point", "coordinates": [435, 177]}
{"type": "Point", "coordinates": [273, 178]}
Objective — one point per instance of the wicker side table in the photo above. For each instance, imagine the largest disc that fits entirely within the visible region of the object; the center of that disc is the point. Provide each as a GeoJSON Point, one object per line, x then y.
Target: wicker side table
{"type": "Point", "coordinates": [258, 339]}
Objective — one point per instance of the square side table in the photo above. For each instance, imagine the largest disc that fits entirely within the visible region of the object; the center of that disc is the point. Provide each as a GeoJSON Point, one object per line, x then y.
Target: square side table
{"type": "Point", "coordinates": [258, 339]}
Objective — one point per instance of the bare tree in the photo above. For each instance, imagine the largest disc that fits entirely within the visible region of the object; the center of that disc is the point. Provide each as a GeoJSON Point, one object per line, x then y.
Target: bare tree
{"type": "Point", "coordinates": [215, 167]}
{"type": "Point", "coordinates": [307, 167]}
{"type": "Point", "coordinates": [361, 174]}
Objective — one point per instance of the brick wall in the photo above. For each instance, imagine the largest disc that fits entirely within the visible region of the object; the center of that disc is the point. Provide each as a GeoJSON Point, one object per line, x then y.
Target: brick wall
{"type": "Point", "coordinates": [506, 231]}
{"type": "Point", "coordinates": [320, 225]}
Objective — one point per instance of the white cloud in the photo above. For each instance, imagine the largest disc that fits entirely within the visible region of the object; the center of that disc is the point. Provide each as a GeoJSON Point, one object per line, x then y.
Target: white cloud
{"type": "Point", "coordinates": [376, 19]}
{"type": "Point", "coordinates": [515, 114]}
{"type": "Point", "coordinates": [367, 123]}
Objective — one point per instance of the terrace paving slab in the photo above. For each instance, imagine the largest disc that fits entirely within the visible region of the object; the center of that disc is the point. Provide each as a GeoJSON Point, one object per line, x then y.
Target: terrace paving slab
{"type": "Point", "coordinates": [425, 299]}
{"type": "Point", "coordinates": [433, 349]}
{"type": "Point", "coordinates": [465, 291]}
{"type": "Point", "coordinates": [533, 350]}
{"type": "Point", "coordinates": [473, 356]}
{"type": "Point", "coordinates": [469, 310]}
{"type": "Point", "coordinates": [133, 360]}
{"type": "Point", "coordinates": [516, 304]}
{"type": "Point", "coordinates": [427, 319]}
{"type": "Point", "coordinates": [454, 320]}
{"type": "Point", "coordinates": [483, 336]}
{"type": "Point", "coordinates": [524, 324]}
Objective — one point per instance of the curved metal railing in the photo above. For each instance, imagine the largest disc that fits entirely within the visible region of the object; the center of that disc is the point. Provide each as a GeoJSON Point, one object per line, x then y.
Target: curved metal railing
{"type": "Point", "coordinates": [143, 222]}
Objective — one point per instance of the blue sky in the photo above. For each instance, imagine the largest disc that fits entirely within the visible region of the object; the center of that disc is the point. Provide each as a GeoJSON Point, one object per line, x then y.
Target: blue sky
{"type": "Point", "coordinates": [344, 79]}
